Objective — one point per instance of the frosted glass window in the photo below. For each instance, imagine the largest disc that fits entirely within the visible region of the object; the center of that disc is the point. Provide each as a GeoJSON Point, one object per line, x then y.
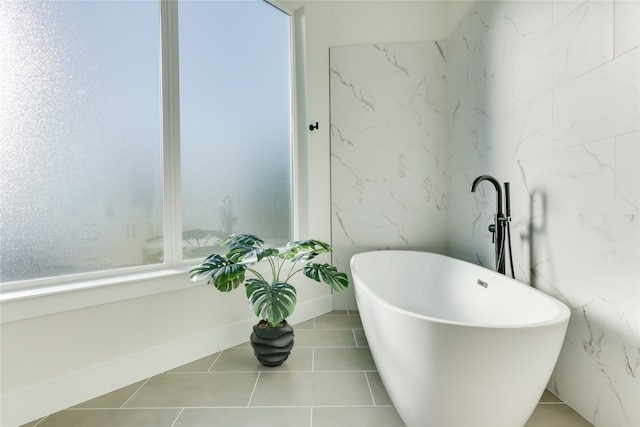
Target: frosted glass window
{"type": "Point", "coordinates": [235, 122]}
{"type": "Point", "coordinates": [80, 157]}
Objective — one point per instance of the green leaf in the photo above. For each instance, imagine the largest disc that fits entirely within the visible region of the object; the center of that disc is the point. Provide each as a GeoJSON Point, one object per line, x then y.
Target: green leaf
{"type": "Point", "coordinates": [330, 275]}
{"type": "Point", "coordinates": [228, 277]}
{"type": "Point", "coordinates": [257, 255]}
{"type": "Point", "coordinates": [246, 248]}
{"type": "Point", "coordinates": [209, 265]}
{"type": "Point", "coordinates": [225, 275]}
{"type": "Point", "coordinates": [305, 250]}
{"type": "Point", "coordinates": [238, 253]}
{"type": "Point", "coordinates": [242, 240]}
{"type": "Point", "coordinates": [272, 302]}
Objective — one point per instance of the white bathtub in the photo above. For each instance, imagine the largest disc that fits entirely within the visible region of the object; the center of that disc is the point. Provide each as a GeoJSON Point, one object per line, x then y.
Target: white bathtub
{"type": "Point", "coordinates": [456, 344]}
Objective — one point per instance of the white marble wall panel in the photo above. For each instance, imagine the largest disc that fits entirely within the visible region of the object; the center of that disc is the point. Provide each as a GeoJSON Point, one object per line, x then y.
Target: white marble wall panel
{"type": "Point", "coordinates": [580, 42]}
{"type": "Point", "coordinates": [569, 174]}
{"type": "Point", "coordinates": [544, 95]}
{"type": "Point", "coordinates": [606, 395]}
{"type": "Point", "coordinates": [627, 173]}
{"type": "Point", "coordinates": [627, 15]}
{"type": "Point", "coordinates": [563, 8]}
{"type": "Point", "coordinates": [603, 102]}
{"type": "Point", "coordinates": [556, 114]}
{"type": "Point", "coordinates": [388, 156]}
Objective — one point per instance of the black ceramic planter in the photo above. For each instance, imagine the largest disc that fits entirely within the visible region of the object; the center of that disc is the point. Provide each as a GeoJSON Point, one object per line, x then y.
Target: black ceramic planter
{"type": "Point", "coordinates": [272, 346]}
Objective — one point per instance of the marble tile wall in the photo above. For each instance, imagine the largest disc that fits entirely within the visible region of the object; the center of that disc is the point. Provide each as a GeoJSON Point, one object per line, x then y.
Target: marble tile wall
{"type": "Point", "coordinates": [388, 150]}
{"type": "Point", "coordinates": [545, 95]}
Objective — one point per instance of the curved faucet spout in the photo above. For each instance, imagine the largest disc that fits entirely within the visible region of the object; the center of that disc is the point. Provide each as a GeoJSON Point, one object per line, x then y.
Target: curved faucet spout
{"type": "Point", "coordinates": [497, 186]}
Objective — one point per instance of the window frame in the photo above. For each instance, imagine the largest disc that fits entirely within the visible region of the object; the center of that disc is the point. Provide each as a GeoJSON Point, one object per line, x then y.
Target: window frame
{"type": "Point", "coordinates": [170, 275]}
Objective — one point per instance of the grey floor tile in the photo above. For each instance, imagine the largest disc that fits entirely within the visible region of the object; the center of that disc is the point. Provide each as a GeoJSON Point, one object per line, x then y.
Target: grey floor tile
{"type": "Point", "coordinates": [337, 313]}
{"type": "Point", "coordinates": [245, 344]}
{"type": "Point", "coordinates": [342, 390]}
{"type": "Point", "coordinates": [547, 396]}
{"type": "Point", "coordinates": [380, 396]}
{"type": "Point", "coordinates": [311, 389]}
{"type": "Point", "coordinates": [361, 338]}
{"type": "Point", "coordinates": [324, 338]}
{"type": "Point", "coordinates": [374, 416]}
{"type": "Point", "coordinates": [343, 359]}
{"type": "Point", "coordinates": [112, 418]}
{"type": "Point", "coordinates": [32, 423]}
{"type": "Point", "coordinates": [338, 322]}
{"type": "Point", "coordinates": [115, 399]}
{"type": "Point", "coordinates": [245, 417]}
{"type": "Point", "coordinates": [195, 390]}
{"type": "Point", "coordinates": [556, 414]}
{"type": "Point", "coordinates": [307, 324]}
{"type": "Point", "coordinates": [243, 360]}
{"type": "Point", "coordinates": [200, 365]}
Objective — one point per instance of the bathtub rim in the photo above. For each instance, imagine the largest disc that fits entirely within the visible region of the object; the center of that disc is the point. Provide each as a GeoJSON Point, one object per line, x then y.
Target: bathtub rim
{"type": "Point", "coordinates": [563, 315]}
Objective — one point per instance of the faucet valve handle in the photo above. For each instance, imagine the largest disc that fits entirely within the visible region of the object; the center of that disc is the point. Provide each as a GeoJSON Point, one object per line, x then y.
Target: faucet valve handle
{"type": "Point", "coordinates": [492, 229]}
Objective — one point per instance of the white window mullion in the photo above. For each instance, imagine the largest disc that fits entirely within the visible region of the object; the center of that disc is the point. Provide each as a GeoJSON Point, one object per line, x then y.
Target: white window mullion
{"type": "Point", "coordinates": [171, 132]}
{"type": "Point", "coordinates": [93, 192]}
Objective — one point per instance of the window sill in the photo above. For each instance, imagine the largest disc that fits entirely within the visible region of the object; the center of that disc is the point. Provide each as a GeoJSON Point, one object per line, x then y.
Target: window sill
{"type": "Point", "coordinates": [21, 304]}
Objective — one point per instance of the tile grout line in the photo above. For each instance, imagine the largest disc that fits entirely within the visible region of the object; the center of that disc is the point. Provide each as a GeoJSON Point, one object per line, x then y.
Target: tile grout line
{"type": "Point", "coordinates": [255, 385]}
{"type": "Point", "coordinates": [373, 399]}
{"type": "Point", "coordinates": [135, 392]}
{"type": "Point", "coordinates": [313, 351]}
{"type": "Point", "coordinates": [216, 359]}
{"type": "Point", "coordinates": [178, 417]}
{"type": "Point", "coordinates": [38, 423]}
{"type": "Point", "coordinates": [151, 408]}
{"type": "Point", "coordinates": [336, 346]}
{"type": "Point", "coordinates": [273, 372]}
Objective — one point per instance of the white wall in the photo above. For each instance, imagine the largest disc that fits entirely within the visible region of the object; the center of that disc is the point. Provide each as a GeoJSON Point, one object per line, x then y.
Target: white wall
{"type": "Point", "coordinates": [546, 95]}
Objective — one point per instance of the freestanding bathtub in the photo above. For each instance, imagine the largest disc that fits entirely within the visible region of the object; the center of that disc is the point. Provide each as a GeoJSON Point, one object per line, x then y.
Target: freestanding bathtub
{"type": "Point", "coordinates": [456, 344]}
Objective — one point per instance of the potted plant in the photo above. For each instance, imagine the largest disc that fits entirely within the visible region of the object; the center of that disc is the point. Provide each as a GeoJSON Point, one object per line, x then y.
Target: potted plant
{"type": "Point", "coordinates": [272, 298]}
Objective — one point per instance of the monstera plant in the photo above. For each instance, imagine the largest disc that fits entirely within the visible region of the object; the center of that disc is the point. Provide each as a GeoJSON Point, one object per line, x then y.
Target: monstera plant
{"type": "Point", "coordinates": [271, 295]}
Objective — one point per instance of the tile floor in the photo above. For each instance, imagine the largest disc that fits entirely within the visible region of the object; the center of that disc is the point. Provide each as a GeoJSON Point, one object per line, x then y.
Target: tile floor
{"type": "Point", "coordinates": [329, 380]}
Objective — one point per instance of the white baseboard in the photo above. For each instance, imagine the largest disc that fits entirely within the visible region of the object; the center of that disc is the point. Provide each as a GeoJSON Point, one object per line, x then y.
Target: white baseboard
{"type": "Point", "coordinates": [22, 407]}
